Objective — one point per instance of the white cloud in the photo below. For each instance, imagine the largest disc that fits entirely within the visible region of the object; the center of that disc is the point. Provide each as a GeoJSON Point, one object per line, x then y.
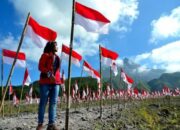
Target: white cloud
{"type": "Point", "coordinates": [142, 69]}
{"type": "Point", "coordinates": [165, 57]}
{"type": "Point", "coordinates": [56, 15]}
{"type": "Point", "coordinates": [166, 26]}
{"type": "Point", "coordinates": [119, 62]}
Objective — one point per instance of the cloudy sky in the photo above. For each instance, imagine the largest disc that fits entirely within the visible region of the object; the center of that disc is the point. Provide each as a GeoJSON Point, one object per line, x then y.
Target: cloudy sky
{"type": "Point", "coordinates": [145, 31]}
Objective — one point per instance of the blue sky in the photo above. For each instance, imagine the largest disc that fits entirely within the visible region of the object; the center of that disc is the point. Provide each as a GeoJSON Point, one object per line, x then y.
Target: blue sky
{"type": "Point", "coordinates": [145, 31]}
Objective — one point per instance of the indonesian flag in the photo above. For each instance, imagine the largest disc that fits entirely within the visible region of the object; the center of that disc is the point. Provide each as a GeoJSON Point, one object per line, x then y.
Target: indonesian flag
{"type": "Point", "coordinates": [40, 34]}
{"type": "Point", "coordinates": [92, 72]}
{"type": "Point", "coordinates": [76, 87]}
{"type": "Point", "coordinates": [10, 89]}
{"type": "Point", "coordinates": [76, 58]}
{"type": "Point", "coordinates": [96, 75]}
{"type": "Point", "coordinates": [63, 82]}
{"type": "Point", "coordinates": [127, 79]}
{"type": "Point", "coordinates": [9, 56]}
{"type": "Point", "coordinates": [30, 91]}
{"type": "Point", "coordinates": [87, 67]}
{"type": "Point", "coordinates": [27, 79]}
{"type": "Point", "coordinates": [15, 100]}
{"type": "Point", "coordinates": [90, 19]}
{"type": "Point", "coordinates": [108, 57]}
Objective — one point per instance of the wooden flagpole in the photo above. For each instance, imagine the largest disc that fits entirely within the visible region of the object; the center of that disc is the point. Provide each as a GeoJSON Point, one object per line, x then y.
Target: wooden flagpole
{"type": "Point", "coordinates": [2, 88]}
{"type": "Point", "coordinates": [69, 68]}
{"type": "Point", "coordinates": [111, 88]}
{"type": "Point", "coordinates": [12, 68]}
{"type": "Point", "coordinates": [100, 82]}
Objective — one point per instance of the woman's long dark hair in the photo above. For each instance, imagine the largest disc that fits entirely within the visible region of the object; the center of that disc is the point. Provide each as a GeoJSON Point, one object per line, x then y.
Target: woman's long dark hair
{"type": "Point", "coordinates": [49, 47]}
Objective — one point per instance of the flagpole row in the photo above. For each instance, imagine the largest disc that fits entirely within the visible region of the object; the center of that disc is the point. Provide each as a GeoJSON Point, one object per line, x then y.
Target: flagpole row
{"type": "Point", "coordinates": [69, 68]}
{"type": "Point", "coordinates": [12, 68]}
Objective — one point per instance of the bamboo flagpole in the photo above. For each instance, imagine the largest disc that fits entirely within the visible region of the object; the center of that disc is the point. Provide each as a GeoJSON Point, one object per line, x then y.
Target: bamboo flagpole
{"type": "Point", "coordinates": [111, 88]}
{"type": "Point", "coordinates": [69, 68]}
{"type": "Point", "coordinates": [12, 68]}
{"type": "Point", "coordinates": [2, 88]}
{"type": "Point", "coordinates": [100, 82]}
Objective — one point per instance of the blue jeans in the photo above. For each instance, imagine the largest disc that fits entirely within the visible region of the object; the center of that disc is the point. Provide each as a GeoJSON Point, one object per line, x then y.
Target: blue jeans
{"type": "Point", "coordinates": [51, 92]}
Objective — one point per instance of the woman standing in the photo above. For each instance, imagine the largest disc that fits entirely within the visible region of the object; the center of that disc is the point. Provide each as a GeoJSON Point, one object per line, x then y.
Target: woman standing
{"type": "Point", "coordinates": [49, 66]}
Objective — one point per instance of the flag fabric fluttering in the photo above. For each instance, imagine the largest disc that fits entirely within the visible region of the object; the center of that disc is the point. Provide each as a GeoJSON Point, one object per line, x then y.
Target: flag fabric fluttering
{"type": "Point", "coordinates": [75, 57]}
{"type": "Point", "coordinates": [92, 72]}
{"type": "Point", "coordinates": [8, 58]}
{"type": "Point", "coordinates": [39, 34]}
{"type": "Point", "coordinates": [10, 89]}
{"type": "Point", "coordinates": [127, 79]}
{"type": "Point", "coordinates": [90, 19]}
{"type": "Point", "coordinates": [87, 67]}
{"type": "Point", "coordinates": [27, 79]}
{"type": "Point", "coordinates": [108, 58]}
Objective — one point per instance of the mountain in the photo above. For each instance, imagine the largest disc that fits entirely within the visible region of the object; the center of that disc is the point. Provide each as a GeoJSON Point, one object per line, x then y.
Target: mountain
{"type": "Point", "coordinates": [134, 70]}
{"type": "Point", "coordinates": [172, 80]}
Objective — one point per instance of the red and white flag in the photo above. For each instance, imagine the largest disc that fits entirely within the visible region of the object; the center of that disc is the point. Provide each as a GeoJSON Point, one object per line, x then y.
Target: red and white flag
{"type": "Point", "coordinates": [127, 79]}
{"type": "Point", "coordinates": [15, 100]}
{"type": "Point", "coordinates": [96, 75]}
{"type": "Point", "coordinates": [92, 72]}
{"type": "Point", "coordinates": [76, 58]}
{"type": "Point", "coordinates": [76, 87]}
{"type": "Point", "coordinates": [108, 57]}
{"type": "Point", "coordinates": [87, 67]}
{"type": "Point", "coordinates": [90, 19]}
{"type": "Point", "coordinates": [8, 58]}
{"type": "Point", "coordinates": [30, 91]}
{"type": "Point", "coordinates": [63, 82]}
{"type": "Point", "coordinates": [40, 34]}
{"type": "Point", "coordinates": [10, 89]}
{"type": "Point", "coordinates": [27, 79]}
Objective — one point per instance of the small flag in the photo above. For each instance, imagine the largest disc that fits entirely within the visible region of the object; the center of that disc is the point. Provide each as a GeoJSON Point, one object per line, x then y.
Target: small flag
{"type": "Point", "coordinates": [8, 58]}
{"type": "Point", "coordinates": [10, 89]}
{"type": "Point", "coordinates": [40, 34]}
{"type": "Point", "coordinates": [127, 79]}
{"type": "Point", "coordinates": [27, 79]}
{"type": "Point", "coordinates": [108, 56]}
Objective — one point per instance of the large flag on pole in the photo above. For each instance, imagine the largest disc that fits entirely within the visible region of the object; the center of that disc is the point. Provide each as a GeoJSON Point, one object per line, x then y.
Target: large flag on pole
{"type": "Point", "coordinates": [90, 19]}
{"type": "Point", "coordinates": [75, 57]}
{"type": "Point", "coordinates": [27, 79]}
{"type": "Point", "coordinates": [8, 58]}
{"type": "Point", "coordinates": [40, 34]}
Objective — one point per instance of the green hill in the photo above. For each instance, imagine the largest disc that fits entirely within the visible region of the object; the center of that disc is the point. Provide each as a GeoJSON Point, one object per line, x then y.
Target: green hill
{"type": "Point", "coordinates": [171, 80]}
